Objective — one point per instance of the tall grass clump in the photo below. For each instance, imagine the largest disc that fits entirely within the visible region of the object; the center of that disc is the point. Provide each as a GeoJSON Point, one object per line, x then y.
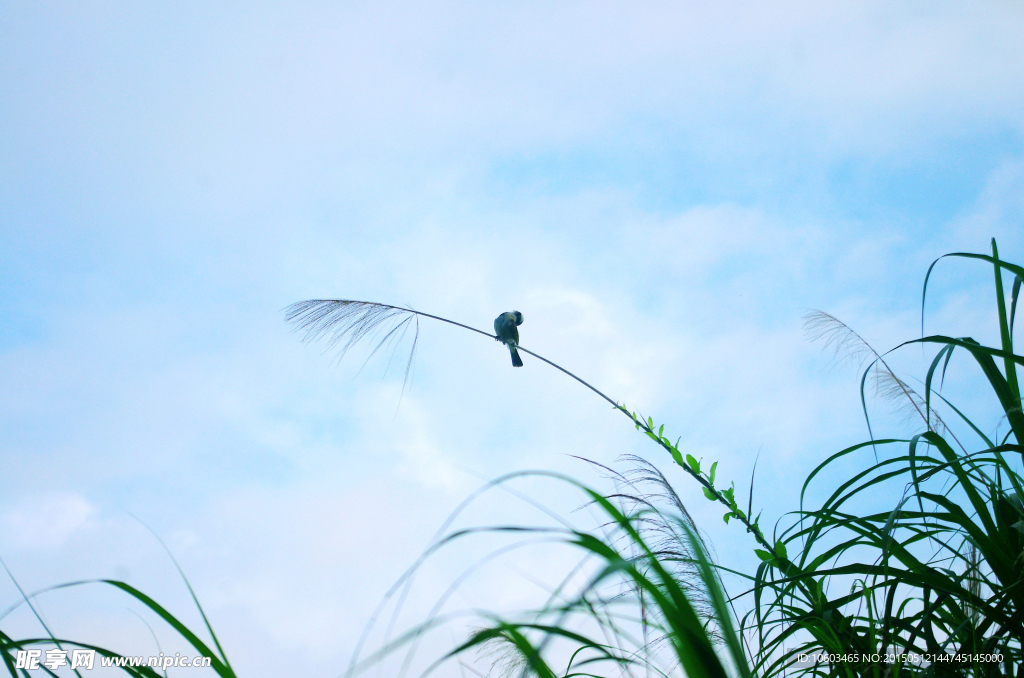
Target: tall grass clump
{"type": "Point", "coordinates": [932, 580]}
{"type": "Point", "coordinates": [927, 579]}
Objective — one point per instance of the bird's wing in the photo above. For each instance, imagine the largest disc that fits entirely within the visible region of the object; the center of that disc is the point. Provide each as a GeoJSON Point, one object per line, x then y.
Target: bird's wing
{"type": "Point", "coordinates": [504, 326]}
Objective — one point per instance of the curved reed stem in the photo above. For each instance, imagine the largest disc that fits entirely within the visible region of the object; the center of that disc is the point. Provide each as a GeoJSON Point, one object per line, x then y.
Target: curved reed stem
{"type": "Point", "coordinates": [348, 321]}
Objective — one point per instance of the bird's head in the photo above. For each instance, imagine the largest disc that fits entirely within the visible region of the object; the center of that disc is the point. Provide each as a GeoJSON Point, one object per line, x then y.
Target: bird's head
{"type": "Point", "coordinates": [519, 317]}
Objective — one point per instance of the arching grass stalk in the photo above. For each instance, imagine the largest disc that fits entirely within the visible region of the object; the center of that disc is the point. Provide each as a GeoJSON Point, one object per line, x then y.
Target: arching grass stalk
{"type": "Point", "coordinates": [345, 322]}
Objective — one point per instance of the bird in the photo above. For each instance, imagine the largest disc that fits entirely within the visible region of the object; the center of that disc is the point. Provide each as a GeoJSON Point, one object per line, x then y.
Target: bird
{"type": "Point", "coordinates": [506, 327]}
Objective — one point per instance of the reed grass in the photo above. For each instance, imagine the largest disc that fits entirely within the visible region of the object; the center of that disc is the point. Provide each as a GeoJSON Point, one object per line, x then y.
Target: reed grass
{"type": "Point", "coordinates": [932, 584]}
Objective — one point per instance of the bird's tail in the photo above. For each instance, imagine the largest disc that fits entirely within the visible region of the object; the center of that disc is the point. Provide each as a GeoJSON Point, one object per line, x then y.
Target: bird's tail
{"type": "Point", "coordinates": [516, 360]}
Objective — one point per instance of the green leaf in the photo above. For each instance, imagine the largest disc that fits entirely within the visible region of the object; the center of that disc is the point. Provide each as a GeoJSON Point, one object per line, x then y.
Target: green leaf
{"type": "Point", "coordinates": [710, 495]}
{"type": "Point", "coordinates": [694, 464]}
{"type": "Point", "coordinates": [780, 548]}
{"type": "Point", "coordinates": [726, 517]}
{"type": "Point", "coordinates": [661, 430]}
{"type": "Point", "coordinates": [676, 456]}
{"type": "Point", "coordinates": [728, 494]}
{"type": "Point", "coordinates": [763, 555]}
{"type": "Point", "coordinates": [711, 475]}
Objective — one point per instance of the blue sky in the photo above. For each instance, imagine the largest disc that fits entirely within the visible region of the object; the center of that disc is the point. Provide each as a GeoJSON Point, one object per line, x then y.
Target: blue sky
{"type": "Point", "coordinates": [661, 191]}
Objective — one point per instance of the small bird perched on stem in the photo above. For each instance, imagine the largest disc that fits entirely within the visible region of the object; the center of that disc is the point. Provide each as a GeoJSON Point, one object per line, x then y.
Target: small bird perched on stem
{"type": "Point", "coordinates": [506, 327]}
